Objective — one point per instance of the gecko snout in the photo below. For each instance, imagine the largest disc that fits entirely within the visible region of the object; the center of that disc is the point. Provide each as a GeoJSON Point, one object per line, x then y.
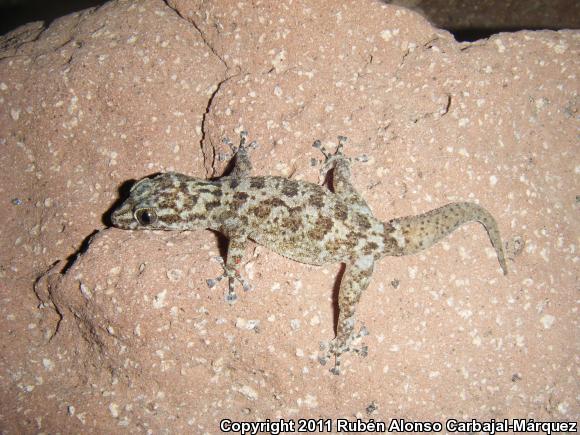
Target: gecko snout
{"type": "Point", "coordinates": [122, 217]}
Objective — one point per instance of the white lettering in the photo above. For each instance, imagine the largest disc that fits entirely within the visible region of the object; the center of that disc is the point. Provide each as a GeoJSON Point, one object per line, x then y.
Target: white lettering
{"type": "Point", "coordinates": [401, 425]}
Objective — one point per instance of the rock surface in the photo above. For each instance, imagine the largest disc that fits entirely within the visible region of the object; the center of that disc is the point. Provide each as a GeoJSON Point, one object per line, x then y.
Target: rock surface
{"type": "Point", "coordinates": [109, 331]}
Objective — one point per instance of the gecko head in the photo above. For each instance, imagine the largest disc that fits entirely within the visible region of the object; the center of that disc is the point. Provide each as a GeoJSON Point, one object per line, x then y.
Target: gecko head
{"type": "Point", "coordinates": [169, 201]}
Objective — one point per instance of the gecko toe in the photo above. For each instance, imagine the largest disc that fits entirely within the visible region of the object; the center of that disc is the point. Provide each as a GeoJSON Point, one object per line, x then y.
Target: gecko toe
{"type": "Point", "coordinates": [231, 298]}
{"type": "Point", "coordinates": [362, 351]}
{"type": "Point", "coordinates": [362, 333]}
{"type": "Point", "coordinates": [335, 348]}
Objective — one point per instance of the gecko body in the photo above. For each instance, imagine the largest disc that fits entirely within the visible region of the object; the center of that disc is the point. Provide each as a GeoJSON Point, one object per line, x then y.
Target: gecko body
{"type": "Point", "coordinates": [299, 220]}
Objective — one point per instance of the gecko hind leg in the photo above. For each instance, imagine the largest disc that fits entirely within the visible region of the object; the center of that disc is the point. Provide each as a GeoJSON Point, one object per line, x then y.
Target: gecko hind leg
{"type": "Point", "coordinates": [355, 280]}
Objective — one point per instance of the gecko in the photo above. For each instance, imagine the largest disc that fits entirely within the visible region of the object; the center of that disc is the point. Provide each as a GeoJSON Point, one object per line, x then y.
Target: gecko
{"type": "Point", "coordinates": [299, 220]}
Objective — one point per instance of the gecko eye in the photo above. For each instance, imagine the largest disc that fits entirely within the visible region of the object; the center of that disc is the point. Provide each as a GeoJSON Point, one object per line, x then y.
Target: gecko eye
{"type": "Point", "coordinates": [146, 216]}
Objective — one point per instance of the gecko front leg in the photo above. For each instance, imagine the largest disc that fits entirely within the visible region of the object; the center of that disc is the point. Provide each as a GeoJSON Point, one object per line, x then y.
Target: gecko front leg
{"type": "Point", "coordinates": [339, 164]}
{"type": "Point", "coordinates": [236, 248]}
{"type": "Point", "coordinates": [242, 164]}
{"type": "Point", "coordinates": [237, 241]}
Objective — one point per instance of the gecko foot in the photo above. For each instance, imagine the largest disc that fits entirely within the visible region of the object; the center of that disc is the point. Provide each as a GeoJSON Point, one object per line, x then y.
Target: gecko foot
{"type": "Point", "coordinates": [336, 348]}
{"type": "Point", "coordinates": [235, 149]}
{"type": "Point", "coordinates": [232, 275]}
{"type": "Point", "coordinates": [330, 159]}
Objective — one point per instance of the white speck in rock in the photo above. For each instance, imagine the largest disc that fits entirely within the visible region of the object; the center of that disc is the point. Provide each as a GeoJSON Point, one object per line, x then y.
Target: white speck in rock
{"type": "Point", "coordinates": [86, 291]}
{"type": "Point", "coordinates": [278, 60]}
{"type": "Point", "coordinates": [174, 275]}
{"type": "Point", "coordinates": [82, 417]}
{"type": "Point", "coordinates": [247, 391]}
{"type": "Point", "coordinates": [309, 401]}
{"type": "Point", "coordinates": [465, 313]}
{"type": "Point", "coordinates": [463, 152]}
{"type": "Point", "coordinates": [159, 300]}
{"type": "Point", "coordinates": [387, 34]}
{"type": "Point", "coordinates": [547, 321]}
{"type": "Point", "coordinates": [73, 105]}
{"type": "Point", "coordinates": [563, 408]}
{"type": "Point", "coordinates": [114, 409]}
{"type": "Point", "coordinates": [247, 325]}
{"type": "Point", "coordinates": [560, 48]}
{"type": "Point", "coordinates": [48, 364]}
{"type": "Point", "coordinates": [499, 43]}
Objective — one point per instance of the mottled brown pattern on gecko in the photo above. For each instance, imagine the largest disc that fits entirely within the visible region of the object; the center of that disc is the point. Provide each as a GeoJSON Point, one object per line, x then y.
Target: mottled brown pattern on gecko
{"type": "Point", "coordinates": [299, 220]}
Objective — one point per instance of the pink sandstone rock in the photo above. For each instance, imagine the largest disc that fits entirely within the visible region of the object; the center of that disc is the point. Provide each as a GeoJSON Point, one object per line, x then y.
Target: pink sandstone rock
{"type": "Point", "coordinates": [126, 336]}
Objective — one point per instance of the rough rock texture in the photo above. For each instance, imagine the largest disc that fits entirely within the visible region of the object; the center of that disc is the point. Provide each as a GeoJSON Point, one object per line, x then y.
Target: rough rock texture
{"type": "Point", "coordinates": [127, 337]}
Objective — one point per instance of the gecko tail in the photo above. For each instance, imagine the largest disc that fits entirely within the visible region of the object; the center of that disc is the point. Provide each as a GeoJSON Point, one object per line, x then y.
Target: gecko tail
{"type": "Point", "coordinates": [415, 233]}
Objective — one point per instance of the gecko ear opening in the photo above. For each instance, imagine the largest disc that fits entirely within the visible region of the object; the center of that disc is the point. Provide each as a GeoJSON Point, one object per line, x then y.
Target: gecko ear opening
{"type": "Point", "coordinates": [146, 216]}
